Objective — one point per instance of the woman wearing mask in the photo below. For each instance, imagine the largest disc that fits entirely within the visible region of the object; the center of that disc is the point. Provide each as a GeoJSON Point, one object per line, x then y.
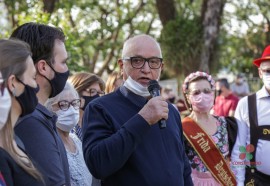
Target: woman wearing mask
{"type": "Point", "coordinates": [66, 106]}
{"type": "Point", "coordinates": [89, 86]}
{"type": "Point", "coordinates": [206, 135]}
{"type": "Point", "coordinates": [18, 91]}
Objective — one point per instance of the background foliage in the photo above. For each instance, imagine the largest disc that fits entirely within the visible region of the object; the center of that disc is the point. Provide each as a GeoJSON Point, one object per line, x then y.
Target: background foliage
{"type": "Point", "coordinates": [96, 30]}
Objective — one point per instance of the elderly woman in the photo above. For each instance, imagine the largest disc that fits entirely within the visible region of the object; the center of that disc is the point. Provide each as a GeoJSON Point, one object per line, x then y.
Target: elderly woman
{"type": "Point", "coordinates": [206, 135]}
{"type": "Point", "coordinates": [66, 106]}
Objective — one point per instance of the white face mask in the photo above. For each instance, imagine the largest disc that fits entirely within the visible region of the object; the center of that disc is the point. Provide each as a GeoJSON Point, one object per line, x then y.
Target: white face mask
{"type": "Point", "coordinates": [5, 104]}
{"type": "Point", "coordinates": [136, 87]}
{"type": "Point", "coordinates": [68, 119]}
{"type": "Point", "coordinates": [266, 80]}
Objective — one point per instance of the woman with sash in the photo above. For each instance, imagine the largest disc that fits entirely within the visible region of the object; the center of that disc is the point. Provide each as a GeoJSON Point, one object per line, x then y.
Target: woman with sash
{"type": "Point", "coordinates": [206, 135]}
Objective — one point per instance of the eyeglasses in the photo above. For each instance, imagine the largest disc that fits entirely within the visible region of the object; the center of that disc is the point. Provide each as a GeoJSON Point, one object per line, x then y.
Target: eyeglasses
{"type": "Point", "coordinates": [64, 104]}
{"type": "Point", "coordinates": [139, 62]}
{"type": "Point", "coordinates": [197, 92]}
{"type": "Point", "coordinates": [94, 92]}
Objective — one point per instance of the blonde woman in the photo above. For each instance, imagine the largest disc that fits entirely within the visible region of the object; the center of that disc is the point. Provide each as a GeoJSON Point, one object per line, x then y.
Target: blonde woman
{"type": "Point", "coordinates": [114, 81]}
{"type": "Point", "coordinates": [18, 90]}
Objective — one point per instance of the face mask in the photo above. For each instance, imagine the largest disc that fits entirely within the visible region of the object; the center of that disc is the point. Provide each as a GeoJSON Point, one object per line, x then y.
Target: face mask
{"type": "Point", "coordinates": [88, 99]}
{"type": "Point", "coordinates": [58, 82]}
{"type": "Point", "coordinates": [67, 120]}
{"type": "Point", "coordinates": [28, 99]}
{"type": "Point", "coordinates": [202, 102]}
{"type": "Point", "coordinates": [5, 104]}
{"type": "Point", "coordinates": [266, 80]}
{"type": "Point", "coordinates": [136, 87]}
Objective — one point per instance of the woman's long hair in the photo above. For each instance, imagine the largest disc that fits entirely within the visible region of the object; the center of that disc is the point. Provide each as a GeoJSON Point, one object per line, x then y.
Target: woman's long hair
{"type": "Point", "coordinates": [13, 55]}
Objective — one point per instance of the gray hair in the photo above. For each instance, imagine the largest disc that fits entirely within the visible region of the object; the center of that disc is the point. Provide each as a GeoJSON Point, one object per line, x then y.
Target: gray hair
{"type": "Point", "coordinates": [62, 96]}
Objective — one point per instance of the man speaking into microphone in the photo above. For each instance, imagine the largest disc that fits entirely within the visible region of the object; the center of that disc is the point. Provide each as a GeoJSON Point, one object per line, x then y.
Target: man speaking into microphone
{"type": "Point", "coordinates": [124, 143]}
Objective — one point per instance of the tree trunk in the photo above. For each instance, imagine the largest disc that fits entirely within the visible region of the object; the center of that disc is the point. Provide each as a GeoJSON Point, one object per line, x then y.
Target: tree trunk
{"type": "Point", "coordinates": [49, 6]}
{"type": "Point", "coordinates": [267, 30]}
{"type": "Point", "coordinates": [211, 20]}
{"type": "Point", "coordinates": [166, 10]}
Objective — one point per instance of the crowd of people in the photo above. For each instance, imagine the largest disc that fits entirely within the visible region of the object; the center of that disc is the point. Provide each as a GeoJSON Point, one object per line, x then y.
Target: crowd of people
{"type": "Point", "coordinates": [67, 130]}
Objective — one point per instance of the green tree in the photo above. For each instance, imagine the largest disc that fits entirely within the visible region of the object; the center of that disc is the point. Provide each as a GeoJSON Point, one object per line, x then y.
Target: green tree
{"type": "Point", "coordinates": [95, 29]}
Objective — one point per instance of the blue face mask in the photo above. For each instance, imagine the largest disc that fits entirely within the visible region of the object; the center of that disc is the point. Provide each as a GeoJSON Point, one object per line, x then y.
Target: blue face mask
{"type": "Point", "coordinates": [28, 99]}
{"type": "Point", "coordinates": [88, 99]}
{"type": "Point", "coordinates": [58, 82]}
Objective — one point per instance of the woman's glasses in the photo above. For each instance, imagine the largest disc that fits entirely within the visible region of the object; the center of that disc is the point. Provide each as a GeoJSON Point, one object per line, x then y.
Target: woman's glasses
{"type": "Point", "coordinates": [64, 104]}
{"type": "Point", "coordinates": [94, 92]}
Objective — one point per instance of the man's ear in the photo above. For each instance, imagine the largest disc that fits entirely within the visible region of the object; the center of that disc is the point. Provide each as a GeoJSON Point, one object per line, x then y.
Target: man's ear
{"type": "Point", "coordinates": [260, 73]}
{"type": "Point", "coordinates": [162, 67]}
{"type": "Point", "coordinates": [120, 64]}
{"type": "Point", "coordinates": [42, 67]}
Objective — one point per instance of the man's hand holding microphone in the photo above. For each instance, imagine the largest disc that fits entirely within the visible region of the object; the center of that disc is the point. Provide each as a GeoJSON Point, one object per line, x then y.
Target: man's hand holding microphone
{"type": "Point", "coordinates": [156, 109]}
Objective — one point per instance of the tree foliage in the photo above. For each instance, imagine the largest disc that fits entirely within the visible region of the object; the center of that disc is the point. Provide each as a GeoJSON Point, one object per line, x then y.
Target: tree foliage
{"type": "Point", "coordinates": [96, 30]}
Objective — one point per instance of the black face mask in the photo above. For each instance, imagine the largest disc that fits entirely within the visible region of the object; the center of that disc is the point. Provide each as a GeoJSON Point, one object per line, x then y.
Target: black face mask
{"type": "Point", "coordinates": [58, 82]}
{"type": "Point", "coordinates": [28, 99]}
{"type": "Point", "coordinates": [88, 99]}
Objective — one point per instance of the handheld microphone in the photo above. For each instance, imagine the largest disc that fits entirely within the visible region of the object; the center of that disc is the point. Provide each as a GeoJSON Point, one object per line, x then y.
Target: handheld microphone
{"type": "Point", "coordinates": [154, 90]}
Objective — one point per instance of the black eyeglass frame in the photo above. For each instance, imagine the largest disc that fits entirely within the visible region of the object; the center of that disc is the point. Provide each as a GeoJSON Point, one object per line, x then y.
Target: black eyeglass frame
{"type": "Point", "coordinates": [131, 59]}
{"type": "Point", "coordinates": [73, 103]}
{"type": "Point", "coordinates": [93, 92]}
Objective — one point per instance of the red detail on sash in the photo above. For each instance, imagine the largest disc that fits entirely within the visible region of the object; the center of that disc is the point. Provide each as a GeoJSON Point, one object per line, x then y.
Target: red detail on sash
{"type": "Point", "coordinates": [208, 152]}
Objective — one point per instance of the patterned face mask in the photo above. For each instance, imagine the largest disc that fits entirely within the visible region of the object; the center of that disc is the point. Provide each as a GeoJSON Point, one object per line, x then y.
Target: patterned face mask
{"type": "Point", "coordinates": [202, 102]}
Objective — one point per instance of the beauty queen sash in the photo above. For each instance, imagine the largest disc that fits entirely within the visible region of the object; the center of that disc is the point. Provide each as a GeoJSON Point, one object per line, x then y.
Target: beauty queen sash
{"type": "Point", "coordinates": [208, 152]}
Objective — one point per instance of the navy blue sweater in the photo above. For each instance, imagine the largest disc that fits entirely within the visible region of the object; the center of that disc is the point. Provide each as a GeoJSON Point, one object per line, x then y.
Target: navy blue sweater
{"type": "Point", "coordinates": [121, 148]}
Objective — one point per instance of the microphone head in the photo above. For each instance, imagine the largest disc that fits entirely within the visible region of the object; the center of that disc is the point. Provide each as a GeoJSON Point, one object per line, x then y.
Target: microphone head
{"type": "Point", "coordinates": [153, 85]}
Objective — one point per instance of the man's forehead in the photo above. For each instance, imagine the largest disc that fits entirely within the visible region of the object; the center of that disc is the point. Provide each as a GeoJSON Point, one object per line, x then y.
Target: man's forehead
{"type": "Point", "coordinates": [142, 46]}
{"type": "Point", "coordinates": [265, 64]}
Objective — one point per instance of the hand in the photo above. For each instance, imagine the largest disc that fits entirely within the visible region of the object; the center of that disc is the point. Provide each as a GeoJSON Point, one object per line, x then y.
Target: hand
{"type": "Point", "coordinates": [155, 110]}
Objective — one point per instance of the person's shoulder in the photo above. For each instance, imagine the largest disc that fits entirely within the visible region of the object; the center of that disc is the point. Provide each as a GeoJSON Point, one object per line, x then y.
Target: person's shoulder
{"type": "Point", "coordinates": [233, 85]}
{"type": "Point", "coordinates": [233, 97]}
{"type": "Point", "coordinates": [108, 98]}
{"type": "Point", "coordinates": [5, 157]}
{"type": "Point", "coordinates": [243, 102]}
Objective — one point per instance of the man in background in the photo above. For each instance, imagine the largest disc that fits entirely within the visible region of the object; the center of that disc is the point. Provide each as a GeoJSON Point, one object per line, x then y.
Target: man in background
{"type": "Point", "coordinates": [226, 101]}
{"type": "Point", "coordinates": [240, 87]}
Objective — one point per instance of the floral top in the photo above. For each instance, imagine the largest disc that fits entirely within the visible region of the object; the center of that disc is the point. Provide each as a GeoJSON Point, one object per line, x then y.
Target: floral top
{"type": "Point", "coordinates": [221, 140]}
